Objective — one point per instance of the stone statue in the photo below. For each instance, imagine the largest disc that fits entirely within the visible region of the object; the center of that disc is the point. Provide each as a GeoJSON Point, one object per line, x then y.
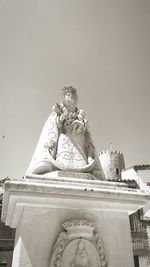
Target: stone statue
{"type": "Point", "coordinates": [65, 143]}
{"type": "Point", "coordinates": [80, 259]}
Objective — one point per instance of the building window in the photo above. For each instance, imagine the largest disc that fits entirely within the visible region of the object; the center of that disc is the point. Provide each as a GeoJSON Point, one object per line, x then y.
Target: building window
{"type": "Point", "coordinates": [117, 171]}
{"type": "Point", "coordinates": [136, 261]}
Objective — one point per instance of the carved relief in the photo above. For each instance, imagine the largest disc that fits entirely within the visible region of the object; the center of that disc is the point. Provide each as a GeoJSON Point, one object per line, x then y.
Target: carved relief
{"type": "Point", "coordinates": [80, 258]}
{"type": "Point", "coordinates": [79, 246]}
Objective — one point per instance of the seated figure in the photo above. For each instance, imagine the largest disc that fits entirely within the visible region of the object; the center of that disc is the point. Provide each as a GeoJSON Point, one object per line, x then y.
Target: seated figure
{"type": "Point", "coordinates": [80, 259]}
{"type": "Point", "coordinates": [65, 143]}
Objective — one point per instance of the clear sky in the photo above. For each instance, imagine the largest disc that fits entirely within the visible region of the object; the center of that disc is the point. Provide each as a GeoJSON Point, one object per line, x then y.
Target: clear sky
{"type": "Point", "coordinates": [101, 47]}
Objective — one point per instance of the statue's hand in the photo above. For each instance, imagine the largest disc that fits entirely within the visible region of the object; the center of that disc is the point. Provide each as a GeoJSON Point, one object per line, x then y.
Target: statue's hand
{"type": "Point", "coordinates": [78, 127]}
{"type": "Point", "coordinates": [90, 159]}
{"type": "Point", "coordinates": [62, 117]}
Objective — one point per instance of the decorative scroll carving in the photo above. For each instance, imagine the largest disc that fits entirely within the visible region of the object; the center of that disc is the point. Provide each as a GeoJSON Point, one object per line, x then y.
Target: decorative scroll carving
{"type": "Point", "coordinates": [79, 246]}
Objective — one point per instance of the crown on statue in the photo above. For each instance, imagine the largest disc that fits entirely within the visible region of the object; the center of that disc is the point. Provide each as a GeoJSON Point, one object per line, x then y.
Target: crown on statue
{"type": "Point", "coordinates": [69, 89]}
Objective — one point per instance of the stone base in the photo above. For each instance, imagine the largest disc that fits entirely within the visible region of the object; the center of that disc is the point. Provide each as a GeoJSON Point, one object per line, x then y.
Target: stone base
{"type": "Point", "coordinates": [38, 208]}
{"type": "Point", "coordinates": [62, 174]}
{"type": "Point", "coordinates": [38, 230]}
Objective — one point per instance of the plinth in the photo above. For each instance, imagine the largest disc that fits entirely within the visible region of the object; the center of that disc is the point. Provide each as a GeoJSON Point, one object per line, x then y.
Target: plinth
{"type": "Point", "coordinates": [63, 219]}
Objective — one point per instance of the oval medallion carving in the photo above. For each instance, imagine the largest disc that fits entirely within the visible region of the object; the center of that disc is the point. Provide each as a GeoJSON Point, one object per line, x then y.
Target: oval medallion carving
{"type": "Point", "coordinates": [78, 246]}
{"type": "Point", "coordinates": [80, 253]}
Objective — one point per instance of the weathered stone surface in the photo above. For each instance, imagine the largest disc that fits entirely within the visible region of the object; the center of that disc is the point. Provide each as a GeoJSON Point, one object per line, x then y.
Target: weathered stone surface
{"type": "Point", "coordinates": [68, 193]}
{"type": "Point", "coordinates": [38, 206]}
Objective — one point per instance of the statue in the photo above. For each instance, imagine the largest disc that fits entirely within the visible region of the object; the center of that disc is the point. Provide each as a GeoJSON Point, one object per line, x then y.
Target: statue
{"type": "Point", "coordinates": [80, 259]}
{"type": "Point", "coordinates": [65, 143]}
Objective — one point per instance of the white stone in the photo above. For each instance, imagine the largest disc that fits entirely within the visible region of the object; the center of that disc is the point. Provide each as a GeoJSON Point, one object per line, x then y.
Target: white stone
{"type": "Point", "coordinates": [38, 208]}
{"type": "Point", "coordinates": [79, 245]}
{"type": "Point", "coordinates": [65, 142]}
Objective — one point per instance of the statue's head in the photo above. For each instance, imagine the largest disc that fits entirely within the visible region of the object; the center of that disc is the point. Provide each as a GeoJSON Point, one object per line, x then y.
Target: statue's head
{"type": "Point", "coordinates": [69, 96]}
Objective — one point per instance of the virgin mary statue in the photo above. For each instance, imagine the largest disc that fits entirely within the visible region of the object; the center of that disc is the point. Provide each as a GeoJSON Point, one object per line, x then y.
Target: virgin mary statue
{"type": "Point", "coordinates": [66, 143]}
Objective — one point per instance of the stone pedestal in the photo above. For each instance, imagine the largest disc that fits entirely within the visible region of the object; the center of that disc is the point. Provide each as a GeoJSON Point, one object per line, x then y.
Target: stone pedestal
{"type": "Point", "coordinates": [38, 206]}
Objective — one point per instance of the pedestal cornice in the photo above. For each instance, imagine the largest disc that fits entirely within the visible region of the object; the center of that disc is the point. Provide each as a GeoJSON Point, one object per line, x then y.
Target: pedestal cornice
{"type": "Point", "coordinates": [71, 193]}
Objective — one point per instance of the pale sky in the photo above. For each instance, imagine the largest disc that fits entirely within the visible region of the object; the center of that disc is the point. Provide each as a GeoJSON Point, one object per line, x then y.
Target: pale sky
{"type": "Point", "coordinates": [101, 47]}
